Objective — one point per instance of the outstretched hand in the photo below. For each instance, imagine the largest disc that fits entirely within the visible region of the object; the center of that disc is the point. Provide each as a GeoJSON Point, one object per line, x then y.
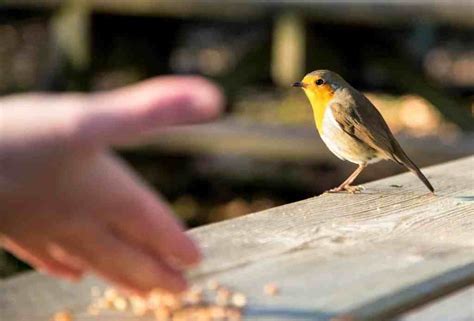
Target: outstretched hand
{"type": "Point", "coordinates": [68, 206]}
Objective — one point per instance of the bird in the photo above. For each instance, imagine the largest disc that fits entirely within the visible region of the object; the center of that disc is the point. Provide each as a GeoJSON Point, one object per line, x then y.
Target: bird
{"type": "Point", "coordinates": [351, 126]}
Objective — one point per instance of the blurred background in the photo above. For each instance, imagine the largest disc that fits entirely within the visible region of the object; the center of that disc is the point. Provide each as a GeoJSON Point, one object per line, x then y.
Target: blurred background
{"type": "Point", "coordinates": [413, 59]}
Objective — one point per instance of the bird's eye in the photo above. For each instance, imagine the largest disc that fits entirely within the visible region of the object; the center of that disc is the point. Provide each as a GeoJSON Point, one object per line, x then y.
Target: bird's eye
{"type": "Point", "coordinates": [319, 82]}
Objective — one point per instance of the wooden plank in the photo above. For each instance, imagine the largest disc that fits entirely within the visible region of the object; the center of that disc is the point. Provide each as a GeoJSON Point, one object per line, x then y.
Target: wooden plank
{"type": "Point", "coordinates": [447, 308]}
{"type": "Point", "coordinates": [230, 136]}
{"type": "Point", "coordinates": [329, 254]}
{"type": "Point", "coordinates": [395, 304]}
{"type": "Point", "coordinates": [36, 297]}
{"type": "Point", "coordinates": [288, 49]}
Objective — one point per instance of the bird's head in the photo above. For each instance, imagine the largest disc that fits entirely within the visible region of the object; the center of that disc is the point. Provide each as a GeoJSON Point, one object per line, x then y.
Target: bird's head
{"type": "Point", "coordinates": [320, 86]}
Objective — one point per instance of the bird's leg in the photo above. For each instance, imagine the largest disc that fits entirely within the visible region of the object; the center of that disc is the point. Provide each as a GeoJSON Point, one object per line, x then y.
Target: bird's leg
{"type": "Point", "coordinates": [346, 185]}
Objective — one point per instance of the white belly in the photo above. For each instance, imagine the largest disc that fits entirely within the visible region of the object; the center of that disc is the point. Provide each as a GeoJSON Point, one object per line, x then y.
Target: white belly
{"type": "Point", "coordinates": [342, 144]}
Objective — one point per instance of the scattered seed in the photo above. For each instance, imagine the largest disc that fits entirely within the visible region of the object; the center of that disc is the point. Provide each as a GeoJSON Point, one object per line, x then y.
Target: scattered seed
{"type": "Point", "coordinates": [212, 285]}
{"type": "Point", "coordinates": [212, 303]}
{"type": "Point", "coordinates": [223, 296]}
{"type": "Point", "coordinates": [104, 304]}
{"type": "Point", "coordinates": [217, 313]}
{"type": "Point", "coordinates": [193, 297]}
{"type": "Point", "coordinates": [63, 316]}
{"type": "Point", "coordinates": [120, 304]}
{"type": "Point", "coordinates": [139, 306]}
{"type": "Point", "coordinates": [271, 289]}
{"type": "Point", "coordinates": [93, 310]}
{"type": "Point", "coordinates": [171, 301]}
{"type": "Point", "coordinates": [110, 294]}
{"type": "Point", "coordinates": [239, 300]}
{"type": "Point", "coordinates": [162, 314]}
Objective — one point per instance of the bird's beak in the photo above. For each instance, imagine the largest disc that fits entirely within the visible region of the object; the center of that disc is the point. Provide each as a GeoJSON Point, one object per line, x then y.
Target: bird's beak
{"type": "Point", "coordinates": [299, 84]}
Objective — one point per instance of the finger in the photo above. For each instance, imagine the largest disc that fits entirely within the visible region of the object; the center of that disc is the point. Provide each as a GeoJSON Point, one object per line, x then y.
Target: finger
{"type": "Point", "coordinates": [42, 261]}
{"type": "Point", "coordinates": [148, 221]}
{"type": "Point", "coordinates": [121, 263]}
{"type": "Point", "coordinates": [136, 213]}
{"type": "Point", "coordinates": [122, 114]}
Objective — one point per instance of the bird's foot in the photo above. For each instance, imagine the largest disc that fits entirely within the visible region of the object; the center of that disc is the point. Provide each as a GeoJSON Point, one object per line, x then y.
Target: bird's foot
{"type": "Point", "coordinates": [354, 189]}
{"type": "Point", "coordinates": [347, 188]}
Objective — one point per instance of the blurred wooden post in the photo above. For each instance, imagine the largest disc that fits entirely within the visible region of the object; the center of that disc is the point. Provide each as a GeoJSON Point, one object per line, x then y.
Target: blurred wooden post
{"type": "Point", "coordinates": [289, 49]}
{"type": "Point", "coordinates": [70, 47]}
{"type": "Point", "coordinates": [70, 30]}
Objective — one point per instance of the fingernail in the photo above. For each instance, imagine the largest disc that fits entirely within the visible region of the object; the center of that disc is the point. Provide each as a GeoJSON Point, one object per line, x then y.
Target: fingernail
{"type": "Point", "coordinates": [188, 256]}
{"type": "Point", "coordinates": [180, 265]}
{"type": "Point", "coordinates": [208, 99]}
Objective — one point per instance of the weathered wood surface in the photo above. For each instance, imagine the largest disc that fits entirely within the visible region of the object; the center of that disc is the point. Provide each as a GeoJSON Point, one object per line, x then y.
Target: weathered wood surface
{"type": "Point", "coordinates": [456, 307]}
{"type": "Point", "coordinates": [402, 301]}
{"type": "Point", "coordinates": [328, 254]}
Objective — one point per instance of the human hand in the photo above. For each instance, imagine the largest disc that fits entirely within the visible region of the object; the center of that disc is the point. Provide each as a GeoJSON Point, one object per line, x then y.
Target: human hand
{"type": "Point", "coordinates": [69, 206]}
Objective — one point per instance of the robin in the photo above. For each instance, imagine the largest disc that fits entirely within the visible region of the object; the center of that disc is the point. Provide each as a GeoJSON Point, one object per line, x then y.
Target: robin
{"type": "Point", "coordinates": [351, 127]}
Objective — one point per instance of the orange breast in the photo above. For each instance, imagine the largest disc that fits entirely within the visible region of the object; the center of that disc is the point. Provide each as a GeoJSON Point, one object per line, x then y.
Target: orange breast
{"type": "Point", "coordinates": [319, 97]}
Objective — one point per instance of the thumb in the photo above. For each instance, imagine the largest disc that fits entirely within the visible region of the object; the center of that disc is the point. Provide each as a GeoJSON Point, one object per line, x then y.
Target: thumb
{"type": "Point", "coordinates": [120, 115]}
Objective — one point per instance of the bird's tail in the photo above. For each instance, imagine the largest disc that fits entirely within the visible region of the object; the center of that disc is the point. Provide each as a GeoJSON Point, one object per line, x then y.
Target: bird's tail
{"type": "Point", "coordinates": [402, 158]}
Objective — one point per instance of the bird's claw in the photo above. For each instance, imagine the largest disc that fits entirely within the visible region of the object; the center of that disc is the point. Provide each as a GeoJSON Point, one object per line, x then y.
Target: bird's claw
{"type": "Point", "coordinates": [354, 189]}
{"type": "Point", "coordinates": [348, 188]}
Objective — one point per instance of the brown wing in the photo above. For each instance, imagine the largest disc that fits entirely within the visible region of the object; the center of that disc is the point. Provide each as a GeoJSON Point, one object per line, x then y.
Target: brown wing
{"type": "Point", "coordinates": [364, 124]}
{"type": "Point", "coordinates": [367, 125]}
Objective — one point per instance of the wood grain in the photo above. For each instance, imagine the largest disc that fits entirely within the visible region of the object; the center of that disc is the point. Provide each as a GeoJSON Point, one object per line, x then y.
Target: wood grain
{"type": "Point", "coordinates": [329, 254]}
